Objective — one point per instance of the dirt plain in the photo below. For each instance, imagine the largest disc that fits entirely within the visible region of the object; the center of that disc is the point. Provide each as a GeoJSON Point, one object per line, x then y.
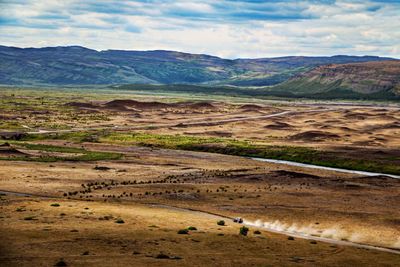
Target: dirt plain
{"type": "Point", "coordinates": [124, 211]}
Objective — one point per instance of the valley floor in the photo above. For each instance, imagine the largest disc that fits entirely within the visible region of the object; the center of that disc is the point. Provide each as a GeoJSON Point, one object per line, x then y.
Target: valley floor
{"type": "Point", "coordinates": [89, 193]}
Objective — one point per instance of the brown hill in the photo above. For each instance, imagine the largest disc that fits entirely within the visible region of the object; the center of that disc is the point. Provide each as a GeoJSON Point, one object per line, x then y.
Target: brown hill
{"type": "Point", "coordinates": [380, 80]}
{"type": "Point", "coordinates": [367, 77]}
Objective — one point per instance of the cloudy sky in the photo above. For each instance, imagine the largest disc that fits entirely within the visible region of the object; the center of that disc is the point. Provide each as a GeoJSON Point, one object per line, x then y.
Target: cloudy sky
{"type": "Point", "coordinates": [226, 28]}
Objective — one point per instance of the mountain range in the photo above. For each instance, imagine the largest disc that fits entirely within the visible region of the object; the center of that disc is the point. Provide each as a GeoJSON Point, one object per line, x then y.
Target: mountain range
{"type": "Point", "coordinates": [291, 75]}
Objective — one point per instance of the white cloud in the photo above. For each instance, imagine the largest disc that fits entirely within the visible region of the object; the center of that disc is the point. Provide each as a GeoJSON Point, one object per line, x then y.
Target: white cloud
{"type": "Point", "coordinates": [344, 27]}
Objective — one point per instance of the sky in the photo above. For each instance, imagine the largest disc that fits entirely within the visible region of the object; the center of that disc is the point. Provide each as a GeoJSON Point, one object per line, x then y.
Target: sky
{"type": "Point", "coordinates": [225, 28]}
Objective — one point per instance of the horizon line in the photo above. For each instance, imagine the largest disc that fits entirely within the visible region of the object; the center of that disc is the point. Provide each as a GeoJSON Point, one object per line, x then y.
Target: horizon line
{"type": "Point", "coordinates": [183, 52]}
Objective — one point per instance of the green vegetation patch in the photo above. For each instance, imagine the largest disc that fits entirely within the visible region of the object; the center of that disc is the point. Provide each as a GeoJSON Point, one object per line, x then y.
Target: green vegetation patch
{"type": "Point", "coordinates": [162, 141]}
{"type": "Point", "coordinates": [250, 149]}
{"type": "Point", "coordinates": [243, 230]}
{"type": "Point", "coordinates": [221, 223]}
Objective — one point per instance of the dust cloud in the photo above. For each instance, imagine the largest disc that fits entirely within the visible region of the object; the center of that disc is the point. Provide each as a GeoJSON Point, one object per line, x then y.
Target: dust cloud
{"type": "Point", "coordinates": [335, 233]}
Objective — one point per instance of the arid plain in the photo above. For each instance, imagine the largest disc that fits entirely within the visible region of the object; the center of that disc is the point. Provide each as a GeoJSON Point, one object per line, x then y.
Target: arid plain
{"type": "Point", "coordinates": [108, 177]}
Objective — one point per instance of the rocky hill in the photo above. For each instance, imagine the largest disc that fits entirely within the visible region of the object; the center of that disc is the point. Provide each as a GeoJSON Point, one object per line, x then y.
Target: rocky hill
{"type": "Point", "coordinates": [361, 80]}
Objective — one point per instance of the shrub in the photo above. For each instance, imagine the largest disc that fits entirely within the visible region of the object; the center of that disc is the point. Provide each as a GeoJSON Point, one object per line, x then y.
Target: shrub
{"type": "Point", "coordinates": [243, 230]}
{"type": "Point", "coordinates": [192, 228]}
{"type": "Point", "coordinates": [55, 205]}
{"type": "Point", "coordinates": [162, 256]}
{"type": "Point", "coordinates": [256, 232]}
{"type": "Point", "coordinates": [221, 222]}
{"type": "Point", "coordinates": [119, 221]}
{"type": "Point", "coordinates": [61, 262]}
{"type": "Point", "coordinates": [183, 232]}
{"type": "Point", "coordinates": [290, 238]}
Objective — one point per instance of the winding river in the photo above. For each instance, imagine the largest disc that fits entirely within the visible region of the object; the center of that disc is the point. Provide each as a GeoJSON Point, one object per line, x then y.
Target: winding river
{"type": "Point", "coordinates": [311, 166]}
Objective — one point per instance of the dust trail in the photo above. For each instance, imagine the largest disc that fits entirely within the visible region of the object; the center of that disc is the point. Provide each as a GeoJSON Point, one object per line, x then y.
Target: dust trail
{"type": "Point", "coordinates": [312, 231]}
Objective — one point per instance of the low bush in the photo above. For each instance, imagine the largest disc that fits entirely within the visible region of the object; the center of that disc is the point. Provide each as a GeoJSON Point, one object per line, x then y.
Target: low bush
{"type": "Point", "coordinates": [119, 221]}
{"type": "Point", "coordinates": [221, 222]}
{"type": "Point", "coordinates": [162, 256]}
{"type": "Point", "coordinates": [244, 230]}
{"type": "Point", "coordinates": [183, 232]}
{"type": "Point", "coordinates": [60, 263]}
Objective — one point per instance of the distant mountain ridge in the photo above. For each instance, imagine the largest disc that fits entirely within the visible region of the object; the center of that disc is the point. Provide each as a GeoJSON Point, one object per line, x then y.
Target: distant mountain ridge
{"type": "Point", "coordinates": [76, 65]}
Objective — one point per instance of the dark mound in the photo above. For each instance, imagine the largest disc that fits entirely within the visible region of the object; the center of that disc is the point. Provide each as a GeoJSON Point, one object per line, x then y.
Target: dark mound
{"type": "Point", "coordinates": [213, 133]}
{"type": "Point", "coordinates": [220, 133]}
{"type": "Point", "coordinates": [395, 222]}
{"type": "Point", "coordinates": [278, 126]}
{"type": "Point", "coordinates": [314, 136]}
{"type": "Point", "coordinates": [40, 112]}
{"type": "Point", "coordinates": [291, 174]}
{"type": "Point", "coordinates": [12, 135]}
{"type": "Point", "coordinates": [394, 125]}
{"type": "Point", "coordinates": [125, 104]}
{"type": "Point", "coordinates": [344, 128]}
{"type": "Point", "coordinates": [5, 117]}
{"type": "Point", "coordinates": [333, 121]}
{"type": "Point", "coordinates": [198, 105]}
{"type": "Point", "coordinates": [81, 105]}
{"type": "Point", "coordinates": [251, 107]}
{"type": "Point", "coordinates": [357, 116]}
